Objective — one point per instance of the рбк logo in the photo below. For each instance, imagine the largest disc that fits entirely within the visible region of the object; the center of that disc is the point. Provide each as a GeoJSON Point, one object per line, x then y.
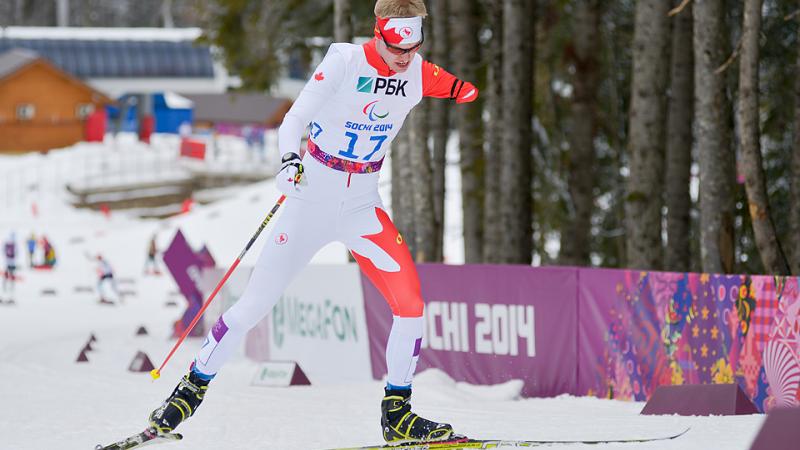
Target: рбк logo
{"type": "Point", "coordinates": [375, 85]}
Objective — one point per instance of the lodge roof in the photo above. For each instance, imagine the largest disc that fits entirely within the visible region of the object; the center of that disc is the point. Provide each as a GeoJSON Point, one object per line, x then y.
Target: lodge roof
{"type": "Point", "coordinates": [235, 107]}
{"type": "Point", "coordinates": [104, 58]}
{"type": "Point", "coordinates": [14, 59]}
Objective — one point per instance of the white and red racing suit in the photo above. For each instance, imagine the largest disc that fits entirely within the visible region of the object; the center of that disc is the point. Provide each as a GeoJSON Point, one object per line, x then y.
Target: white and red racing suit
{"type": "Point", "coordinates": [353, 106]}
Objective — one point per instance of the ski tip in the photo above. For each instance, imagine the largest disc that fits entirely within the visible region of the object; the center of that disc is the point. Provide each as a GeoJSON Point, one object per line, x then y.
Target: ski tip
{"type": "Point", "coordinates": [155, 374]}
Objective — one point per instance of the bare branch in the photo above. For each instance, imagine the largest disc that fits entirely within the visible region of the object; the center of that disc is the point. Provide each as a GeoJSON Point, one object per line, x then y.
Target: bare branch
{"type": "Point", "coordinates": [792, 15]}
{"type": "Point", "coordinates": [677, 10]}
{"type": "Point", "coordinates": [731, 59]}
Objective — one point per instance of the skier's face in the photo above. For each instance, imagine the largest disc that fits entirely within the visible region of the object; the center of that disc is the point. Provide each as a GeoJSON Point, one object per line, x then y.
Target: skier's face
{"type": "Point", "coordinates": [397, 56]}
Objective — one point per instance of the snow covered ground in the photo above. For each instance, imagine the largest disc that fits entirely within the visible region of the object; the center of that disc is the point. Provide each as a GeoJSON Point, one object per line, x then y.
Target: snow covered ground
{"type": "Point", "coordinates": [47, 400]}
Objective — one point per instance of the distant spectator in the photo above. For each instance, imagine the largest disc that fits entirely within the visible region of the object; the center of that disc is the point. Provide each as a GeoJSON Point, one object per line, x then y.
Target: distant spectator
{"type": "Point", "coordinates": [31, 244]}
{"type": "Point", "coordinates": [215, 144]}
{"type": "Point", "coordinates": [105, 275]}
{"type": "Point", "coordinates": [246, 132]}
{"type": "Point", "coordinates": [49, 254]}
{"type": "Point", "coordinates": [255, 142]}
{"type": "Point", "coordinates": [10, 250]}
{"type": "Point", "coordinates": [151, 265]}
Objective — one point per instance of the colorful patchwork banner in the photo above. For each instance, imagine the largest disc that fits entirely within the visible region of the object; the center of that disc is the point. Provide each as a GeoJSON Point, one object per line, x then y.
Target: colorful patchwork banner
{"type": "Point", "coordinates": [639, 330]}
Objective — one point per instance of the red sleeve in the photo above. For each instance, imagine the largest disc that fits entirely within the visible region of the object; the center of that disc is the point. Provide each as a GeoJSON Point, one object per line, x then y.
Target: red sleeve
{"type": "Point", "coordinates": [437, 82]}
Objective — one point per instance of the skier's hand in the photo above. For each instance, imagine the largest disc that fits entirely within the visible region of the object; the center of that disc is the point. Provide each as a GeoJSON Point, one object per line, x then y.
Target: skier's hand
{"type": "Point", "coordinates": [467, 93]}
{"type": "Point", "coordinates": [291, 176]}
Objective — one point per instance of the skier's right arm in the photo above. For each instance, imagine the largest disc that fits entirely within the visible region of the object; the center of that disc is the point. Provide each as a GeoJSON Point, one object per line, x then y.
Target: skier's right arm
{"type": "Point", "coordinates": [319, 89]}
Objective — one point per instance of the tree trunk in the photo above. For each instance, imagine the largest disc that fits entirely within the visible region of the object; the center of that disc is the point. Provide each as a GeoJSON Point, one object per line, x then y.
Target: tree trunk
{"type": "Point", "coordinates": [62, 13]}
{"type": "Point", "coordinates": [422, 185]}
{"type": "Point", "coordinates": [715, 155]}
{"type": "Point", "coordinates": [646, 139]}
{"type": "Point", "coordinates": [794, 218]}
{"type": "Point", "coordinates": [575, 239]}
{"type": "Point", "coordinates": [342, 25]}
{"type": "Point", "coordinates": [755, 183]}
{"type": "Point", "coordinates": [402, 190]}
{"type": "Point", "coordinates": [18, 15]}
{"type": "Point", "coordinates": [167, 19]}
{"type": "Point", "coordinates": [467, 59]}
{"type": "Point", "coordinates": [439, 121]}
{"type": "Point", "coordinates": [515, 205]}
{"type": "Point", "coordinates": [492, 228]}
{"type": "Point", "coordinates": [679, 144]}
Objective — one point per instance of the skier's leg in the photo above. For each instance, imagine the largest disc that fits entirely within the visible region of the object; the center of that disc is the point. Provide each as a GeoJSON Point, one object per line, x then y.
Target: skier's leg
{"type": "Point", "coordinates": [13, 281]}
{"type": "Point", "coordinates": [5, 281]}
{"type": "Point", "coordinates": [292, 242]}
{"type": "Point", "coordinates": [115, 289]}
{"type": "Point", "coordinates": [298, 234]}
{"type": "Point", "coordinates": [100, 289]}
{"type": "Point", "coordinates": [8, 278]}
{"type": "Point", "coordinates": [383, 256]}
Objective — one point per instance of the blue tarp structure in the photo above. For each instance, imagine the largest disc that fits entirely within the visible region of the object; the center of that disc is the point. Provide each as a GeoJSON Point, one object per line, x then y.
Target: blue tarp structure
{"type": "Point", "coordinates": [169, 110]}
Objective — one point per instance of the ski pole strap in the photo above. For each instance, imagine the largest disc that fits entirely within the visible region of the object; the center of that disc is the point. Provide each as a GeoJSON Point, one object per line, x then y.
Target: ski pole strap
{"type": "Point", "coordinates": [342, 165]}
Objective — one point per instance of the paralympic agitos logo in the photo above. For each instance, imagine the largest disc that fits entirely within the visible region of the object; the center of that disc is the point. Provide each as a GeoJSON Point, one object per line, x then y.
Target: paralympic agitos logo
{"type": "Point", "coordinates": [378, 85]}
{"type": "Point", "coordinates": [369, 110]}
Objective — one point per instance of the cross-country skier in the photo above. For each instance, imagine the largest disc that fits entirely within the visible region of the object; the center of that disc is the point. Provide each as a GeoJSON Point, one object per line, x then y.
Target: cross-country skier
{"type": "Point", "coordinates": [354, 104]}
{"type": "Point", "coordinates": [10, 251]}
{"type": "Point", "coordinates": [105, 277]}
{"type": "Point", "coordinates": [31, 246]}
{"type": "Point", "coordinates": [150, 264]}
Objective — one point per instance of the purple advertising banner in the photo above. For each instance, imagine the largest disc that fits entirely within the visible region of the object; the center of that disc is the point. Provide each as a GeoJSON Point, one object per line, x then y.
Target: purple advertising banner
{"type": "Point", "coordinates": [185, 264]}
{"type": "Point", "coordinates": [488, 324]}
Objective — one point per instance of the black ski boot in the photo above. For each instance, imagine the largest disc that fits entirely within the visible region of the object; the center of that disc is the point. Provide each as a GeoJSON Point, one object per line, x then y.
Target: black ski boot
{"type": "Point", "coordinates": [400, 425]}
{"type": "Point", "coordinates": [183, 402]}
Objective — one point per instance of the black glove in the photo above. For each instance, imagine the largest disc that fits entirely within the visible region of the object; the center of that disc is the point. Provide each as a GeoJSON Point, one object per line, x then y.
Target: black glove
{"type": "Point", "coordinates": [291, 174]}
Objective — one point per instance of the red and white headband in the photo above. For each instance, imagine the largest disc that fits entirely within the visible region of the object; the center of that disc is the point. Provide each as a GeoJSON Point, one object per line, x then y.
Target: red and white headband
{"type": "Point", "coordinates": [399, 30]}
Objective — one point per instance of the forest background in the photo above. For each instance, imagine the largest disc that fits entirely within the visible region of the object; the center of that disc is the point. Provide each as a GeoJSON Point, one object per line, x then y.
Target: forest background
{"type": "Point", "coordinates": [650, 134]}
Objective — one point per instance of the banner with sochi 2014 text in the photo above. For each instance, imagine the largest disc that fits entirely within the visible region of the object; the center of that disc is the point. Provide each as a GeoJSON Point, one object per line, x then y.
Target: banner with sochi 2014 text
{"type": "Point", "coordinates": [488, 324]}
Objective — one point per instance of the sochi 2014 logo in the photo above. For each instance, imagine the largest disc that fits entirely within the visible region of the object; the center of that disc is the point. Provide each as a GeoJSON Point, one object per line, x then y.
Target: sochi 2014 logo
{"type": "Point", "coordinates": [373, 116]}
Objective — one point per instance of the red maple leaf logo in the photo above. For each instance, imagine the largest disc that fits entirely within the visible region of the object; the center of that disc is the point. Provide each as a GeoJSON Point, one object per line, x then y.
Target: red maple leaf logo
{"type": "Point", "coordinates": [319, 76]}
